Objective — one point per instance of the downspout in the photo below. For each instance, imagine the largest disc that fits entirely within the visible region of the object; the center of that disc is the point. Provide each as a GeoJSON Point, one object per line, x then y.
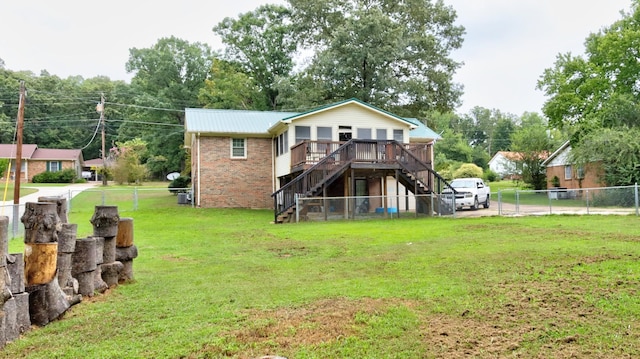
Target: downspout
{"type": "Point", "coordinates": [199, 181]}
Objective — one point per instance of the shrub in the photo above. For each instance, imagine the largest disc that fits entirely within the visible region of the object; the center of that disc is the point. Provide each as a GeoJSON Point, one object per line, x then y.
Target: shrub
{"type": "Point", "coordinates": [180, 184]}
{"type": "Point", "coordinates": [617, 197]}
{"type": "Point", "coordinates": [65, 176]}
{"type": "Point", "coordinates": [490, 176]}
{"type": "Point", "coordinates": [468, 170]}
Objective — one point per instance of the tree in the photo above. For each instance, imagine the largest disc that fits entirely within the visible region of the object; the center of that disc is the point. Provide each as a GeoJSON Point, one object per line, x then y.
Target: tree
{"type": "Point", "coordinates": [230, 88]}
{"type": "Point", "coordinates": [261, 43]}
{"type": "Point", "coordinates": [533, 143]}
{"type": "Point", "coordinates": [168, 77]}
{"type": "Point", "coordinates": [388, 53]}
{"type": "Point", "coordinates": [126, 158]}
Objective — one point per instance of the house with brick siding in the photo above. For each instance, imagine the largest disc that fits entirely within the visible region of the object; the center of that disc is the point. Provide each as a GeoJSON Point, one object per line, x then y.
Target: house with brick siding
{"type": "Point", "coordinates": [36, 160]}
{"type": "Point", "coordinates": [569, 175]}
{"type": "Point", "coordinates": [261, 159]}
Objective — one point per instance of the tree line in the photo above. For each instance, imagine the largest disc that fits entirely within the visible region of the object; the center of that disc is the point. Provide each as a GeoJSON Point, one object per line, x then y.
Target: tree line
{"type": "Point", "coordinates": [307, 53]}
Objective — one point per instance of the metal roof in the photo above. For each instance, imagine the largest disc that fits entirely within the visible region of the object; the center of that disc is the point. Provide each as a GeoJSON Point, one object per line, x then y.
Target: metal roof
{"type": "Point", "coordinates": [232, 121]}
{"type": "Point", "coordinates": [422, 131]}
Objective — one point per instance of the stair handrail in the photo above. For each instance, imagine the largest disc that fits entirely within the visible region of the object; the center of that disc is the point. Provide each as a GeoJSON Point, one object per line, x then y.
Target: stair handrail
{"type": "Point", "coordinates": [326, 164]}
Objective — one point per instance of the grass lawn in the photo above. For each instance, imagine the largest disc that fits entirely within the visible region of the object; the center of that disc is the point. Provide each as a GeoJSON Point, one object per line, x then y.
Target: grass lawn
{"type": "Point", "coordinates": [213, 283]}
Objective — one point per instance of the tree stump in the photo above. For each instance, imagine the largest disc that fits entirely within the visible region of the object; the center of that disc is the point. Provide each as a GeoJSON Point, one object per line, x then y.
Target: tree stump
{"type": "Point", "coordinates": [105, 221]}
{"type": "Point", "coordinates": [67, 238]}
{"type": "Point", "coordinates": [99, 285]}
{"type": "Point", "coordinates": [125, 232]}
{"type": "Point", "coordinates": [57, 302]}
{"type": "Point", "coordinates": [86, 282]}
{"type": "Point", "coordinates": [84, 256]}
{"type": "Point", "coordinates": [61, 206]}
{"type": "Point", "coordinates": [126, 273]}
{"type": "Point", "coordinates": [126, 254]}
{"type": "Point", "coordinates": [109, 251]}
{"type": "Point", "coordinates": [11, 324]}
{"type": "Point", "coordinates": [15, 266]}
{"type": "Point", "coordinates": [41, 222]}
{"type": "Point", "coordinates": [23, 320]}
{"type": "Point", "coordinates": [40, 262]}
{"type": "Point", "coordinates": [4, 240]}
{"type": "Point", "coordinates": [111, 272]}
{"type": "Point", "coordinates": [38, 311]}
{"type": "Point", "coordinates": [99, 249]}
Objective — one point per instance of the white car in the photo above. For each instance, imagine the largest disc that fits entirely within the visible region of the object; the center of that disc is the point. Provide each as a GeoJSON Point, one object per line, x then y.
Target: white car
{"type": "Point", "coordinates": [470, 192]}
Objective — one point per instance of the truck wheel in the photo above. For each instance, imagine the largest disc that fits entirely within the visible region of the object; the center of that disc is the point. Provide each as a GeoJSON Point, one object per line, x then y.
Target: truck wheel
{"type": "Point", "coordinates": [476, 204]}
{"type": "Point", "coordinates": [487, 202]}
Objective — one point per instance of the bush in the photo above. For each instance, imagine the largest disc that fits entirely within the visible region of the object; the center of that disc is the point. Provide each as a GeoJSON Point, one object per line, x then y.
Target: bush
{"type": "Point", "coordinates": [490, 176]}
{"type": "Point", "coordinates": [65, 176]}
{"type": "Point", "coordinates": [616, 197]}
{"type": "Point", "coordinates": [180, 185]}
{"type": "Point", "coordinates": [468, 170]}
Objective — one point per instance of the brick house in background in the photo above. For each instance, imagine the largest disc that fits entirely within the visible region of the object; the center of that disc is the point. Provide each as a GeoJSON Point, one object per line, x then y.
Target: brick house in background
{"type": "Point", "coordinates": [570, 176]}
{"type": "Point", "coordinates": [37, 160]}
{"type": "Point", "coordinates": [240, 158]}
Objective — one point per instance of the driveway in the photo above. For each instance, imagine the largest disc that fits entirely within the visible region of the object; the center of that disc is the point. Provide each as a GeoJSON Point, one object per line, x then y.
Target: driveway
{"type": "Point", "coordinates": [68, 192]}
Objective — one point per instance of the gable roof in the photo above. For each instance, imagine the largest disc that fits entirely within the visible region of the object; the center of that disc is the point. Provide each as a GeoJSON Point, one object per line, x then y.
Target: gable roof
{"type": "Point", "coordinates": [261, 123]}
{"type": "Point", "coordinates": [344, 103]}
{"type": "Point", "coordinates": [557, 152]}
{"type": "Point", "coordinates": [232, 121]}
{"type": "Point", "coordinates": [56, 154]}
{"type": "Point", "coordinates": [9, 151]}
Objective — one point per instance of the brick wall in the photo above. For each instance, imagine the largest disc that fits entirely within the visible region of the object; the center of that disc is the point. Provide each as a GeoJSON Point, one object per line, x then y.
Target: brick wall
{"type": "Point", "coordinates": [35, 167]}
{"type": "Point", "coordinates": [235, 183]}
{"type": "Point", "coordinates": [590, 180]}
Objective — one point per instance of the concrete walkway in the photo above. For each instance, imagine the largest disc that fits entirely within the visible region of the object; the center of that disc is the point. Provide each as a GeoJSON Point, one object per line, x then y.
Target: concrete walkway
{"type": "Point", "coordinates": [68, 192]}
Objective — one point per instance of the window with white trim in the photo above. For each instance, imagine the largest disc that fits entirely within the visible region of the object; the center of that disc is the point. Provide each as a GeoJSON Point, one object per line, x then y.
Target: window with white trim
{"type": "Point", "coordinates": [238, 148]}
{"type": "Point", "coordinates": [381, 134]}
{"type": "Point", "coordinates": [54, 166]}
{"type": "Point", "coordinates": [568, 172]}
{"type": "Point", "coordinates": [398, 135]}
{"type": "Point", "coordinates": [364, 133]}
{"type": "Point", "coordinates": [303, 133]}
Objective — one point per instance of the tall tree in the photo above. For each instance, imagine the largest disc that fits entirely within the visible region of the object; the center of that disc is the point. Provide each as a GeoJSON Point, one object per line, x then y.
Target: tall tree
{"type": "Point", "coordinates": [231, 88]}
{"type": "Point", "coordinates": [386, 52]}
{"type": "Point", "coordinates": [168, 77]}
{"type": "Point", "coordinates": [261, 43]}
{"type": "Point", "coordinates": [534, 143]}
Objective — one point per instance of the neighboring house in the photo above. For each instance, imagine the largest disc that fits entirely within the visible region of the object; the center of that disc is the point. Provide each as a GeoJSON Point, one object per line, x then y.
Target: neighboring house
{"type": "Point", "coordinates": [90, 169]}
{"type": "Point", "coordinates": [259, 159]}
{"type": "Point", "coordinates": [37, 160]}
{"type": "Point", "coordinates": [569, 176]}
{"type": "Point", "coordinates": [505, 164]}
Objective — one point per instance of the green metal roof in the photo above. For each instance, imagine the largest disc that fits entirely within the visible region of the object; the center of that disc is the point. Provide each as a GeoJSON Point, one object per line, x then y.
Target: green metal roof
{"type": "Point", "coordinates": [259, 122]}
{"type": "Point", "coordinates": [231, 121]}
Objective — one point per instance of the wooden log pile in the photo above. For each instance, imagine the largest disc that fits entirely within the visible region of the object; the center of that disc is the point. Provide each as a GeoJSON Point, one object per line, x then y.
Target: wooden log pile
{"type": "Point", "coordinates": [57, 269]}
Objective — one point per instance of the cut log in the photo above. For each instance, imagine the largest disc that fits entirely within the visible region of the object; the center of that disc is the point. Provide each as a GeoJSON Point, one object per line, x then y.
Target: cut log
{"type": "Point", "coordinates": [5, 285]}
{"type": "Point", "coordinates": [11, 324]}
{"type": "Point", "coordinates": [4, 239]}
{"type": "Point", "coordinates": [111, 272]}
{"type": "Point", "coordinates": [64, 269]}
{"type": "Point", "coordinates": [125, 232]}
{"type": "Point", "coordinates": [38, 311]}
{"type": "Point", "coordinates": [57, 302]}
{"type": "Point", "coordinates": [126, 254]}
{"type": "Point", "coordinates": [86, 283]}
{"type": "Point", "coordinates": [99, 285]}
{"type": "Point", "coordinates": [105, 221]}
{"type": "Point", "coordinates": [40, 262]}
{"type": "Point", "coordinates": [3, 329]}
{"type": "Point", "coordinates": [99, 249]}
{"type": "Point", "coordinates": [109, 251]}
{"type": "Point", "coordinates": [126, 274]}
{"type": "Point", "coordinates": [41, 222]}
{"type": "Point", "coordinates": [61, 206]}
{"type": "Point", "coordinates": [15, 266]}
{"type": "Point", "coordinates": [67, 238]}
{"type": "Point", "coordinates": [84, 256]}
{"type": "Point", "coordinates": [23, 320]}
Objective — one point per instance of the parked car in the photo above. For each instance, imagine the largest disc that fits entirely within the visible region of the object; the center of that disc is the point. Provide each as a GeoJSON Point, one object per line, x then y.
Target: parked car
{"type": "Point", "coordinates": [470, 192]}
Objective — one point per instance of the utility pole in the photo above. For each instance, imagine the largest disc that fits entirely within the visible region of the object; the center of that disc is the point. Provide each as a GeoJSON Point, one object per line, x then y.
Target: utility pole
{"type": "Point", "coordinates": [100, 108]}
{"type": "Point", "coordinates": [18, 161]}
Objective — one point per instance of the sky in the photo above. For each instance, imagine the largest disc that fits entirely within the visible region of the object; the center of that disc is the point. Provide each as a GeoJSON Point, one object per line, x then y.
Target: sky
{"type": "Point", "coordinates": [508, 43]}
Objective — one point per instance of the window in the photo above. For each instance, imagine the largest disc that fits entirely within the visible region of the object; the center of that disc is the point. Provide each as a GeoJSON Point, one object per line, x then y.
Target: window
{"type": "Point", "coordinates": [303, 133]}
{"type": "Point", "coordinates": [567, 172]}
{"type": "Point", "coordinates": [364, 133]}
{"type": "Point", "coordinates": [281, 142]}
{"type": "Point", "coordinates": [398, 135]}
{"type": "Point", "coordinates": [324, 134]}
{"type": "Point", "coordinates": [238, 148]}
{"type": "Point", "coordinates": [580, 172]}
{"type": "Point", "coordinates": [381, 134]}
{"type": "Point", "coordinates": [54, 166]}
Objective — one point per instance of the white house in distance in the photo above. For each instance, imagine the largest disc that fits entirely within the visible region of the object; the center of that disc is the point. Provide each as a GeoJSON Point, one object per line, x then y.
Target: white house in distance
{"type": "Point", "coordinates": [504, 164]}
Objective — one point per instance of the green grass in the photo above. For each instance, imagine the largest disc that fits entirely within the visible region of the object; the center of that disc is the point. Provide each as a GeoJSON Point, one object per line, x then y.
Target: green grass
{"type": "Point", "coordinates": [216, 283]}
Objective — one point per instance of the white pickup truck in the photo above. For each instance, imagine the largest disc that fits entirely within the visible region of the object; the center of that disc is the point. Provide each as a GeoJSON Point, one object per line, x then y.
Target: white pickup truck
{"type": "Point", "coordinates": [470, 192]}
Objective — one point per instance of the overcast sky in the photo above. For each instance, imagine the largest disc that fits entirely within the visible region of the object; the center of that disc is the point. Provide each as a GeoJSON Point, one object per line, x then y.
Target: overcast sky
{"type": "Point", "coordinates": [508, 43]}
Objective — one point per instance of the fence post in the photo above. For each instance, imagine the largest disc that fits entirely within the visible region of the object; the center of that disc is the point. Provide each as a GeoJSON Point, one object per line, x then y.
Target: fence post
{"type": "Point", "coordinates": [549, 196]}
{"type": "Point", "coordinates": [135, 198]}
{"type": "Point", "coordinates": [587, 200]}
{"type": "Point", "coordinates": [69, 201]}
{"type": "Point", "coordinates": [499, 202]}
{"type": "Point", "coordinates": [103, 197]}
{"type": "Point", "coordinates": [297, 200]}
{"type": "Point", "coordinates": [635, 190]}
{"type": "Point", "coordinates": [517, 202]}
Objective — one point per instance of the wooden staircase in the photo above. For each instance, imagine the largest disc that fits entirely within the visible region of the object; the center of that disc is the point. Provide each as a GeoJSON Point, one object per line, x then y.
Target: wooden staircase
{"type": "Point", "coordinates": [414, 174]}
